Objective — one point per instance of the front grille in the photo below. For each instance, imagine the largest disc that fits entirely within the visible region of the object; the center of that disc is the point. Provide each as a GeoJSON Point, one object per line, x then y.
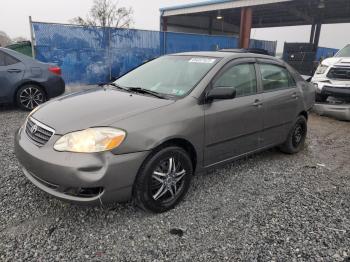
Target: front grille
{"type": "Point", "coordinates": [339, 73]}
{"type": "Point", "coordinates": [38, 132]}
{"type": "Point", "coordinates": [336, 87]}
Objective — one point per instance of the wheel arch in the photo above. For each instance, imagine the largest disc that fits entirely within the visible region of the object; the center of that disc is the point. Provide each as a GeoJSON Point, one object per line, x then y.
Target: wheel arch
{"type": "Point", "coordinates": [182, 143]}
{"type": "Point", "coordinates": [27, 82]}
{"type": "Point", "coordinates": [304, 114]}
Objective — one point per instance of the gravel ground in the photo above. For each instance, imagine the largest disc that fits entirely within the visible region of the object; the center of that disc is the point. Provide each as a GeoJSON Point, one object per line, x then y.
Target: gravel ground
{"type": "Point", "coordinates": [268, 207]}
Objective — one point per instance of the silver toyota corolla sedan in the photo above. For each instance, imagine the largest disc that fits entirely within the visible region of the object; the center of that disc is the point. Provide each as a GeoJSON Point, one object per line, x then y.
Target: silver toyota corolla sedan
{"type": "Point", "coordinates": [144, 136]}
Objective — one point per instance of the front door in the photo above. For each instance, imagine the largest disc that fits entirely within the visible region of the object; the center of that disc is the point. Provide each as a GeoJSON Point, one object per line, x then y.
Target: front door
{"type": "Point", "coordinates": [233, 127]}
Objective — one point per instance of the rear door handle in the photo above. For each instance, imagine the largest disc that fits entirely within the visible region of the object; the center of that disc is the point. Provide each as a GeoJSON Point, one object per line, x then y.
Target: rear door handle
{"type": "Point", "coordinates": [257, 103]}
{"type": "Point", "coordinates": [14, 70]}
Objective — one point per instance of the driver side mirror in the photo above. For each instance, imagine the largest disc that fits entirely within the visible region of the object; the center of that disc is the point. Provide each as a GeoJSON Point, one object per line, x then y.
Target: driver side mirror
{"type": "Point", "coordinates": [221, 93]}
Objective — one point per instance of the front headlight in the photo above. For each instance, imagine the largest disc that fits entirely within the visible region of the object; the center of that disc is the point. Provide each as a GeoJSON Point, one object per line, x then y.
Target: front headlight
{"type": "Point", "coordinates": [318, 86]}
{"type": "Point", "coordinates": [91, 140]}
{"type": "Point", "coordinates": [321, 69]}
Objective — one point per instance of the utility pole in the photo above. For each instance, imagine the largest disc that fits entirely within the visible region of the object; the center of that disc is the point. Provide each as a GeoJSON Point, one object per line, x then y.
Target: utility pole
{"type": "Point", "coordinates": [32, 36]}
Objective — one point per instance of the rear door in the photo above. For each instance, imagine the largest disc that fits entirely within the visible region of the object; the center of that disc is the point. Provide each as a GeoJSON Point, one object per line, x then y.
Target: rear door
{"type": "Point", "coordinates": [11, 72]}
{"type": "Point", "coordinates": [280, 97]}
{"type": "Point", "coordinates": [232, 127]}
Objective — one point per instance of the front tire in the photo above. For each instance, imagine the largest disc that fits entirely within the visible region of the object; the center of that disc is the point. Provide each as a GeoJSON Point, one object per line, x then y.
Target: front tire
{"type": "Point", "coordinates": [30, 96]}
{"type": "Point", "coordinates": [296, 137]}
{"type": "Point", "coordinates": [163, 180]}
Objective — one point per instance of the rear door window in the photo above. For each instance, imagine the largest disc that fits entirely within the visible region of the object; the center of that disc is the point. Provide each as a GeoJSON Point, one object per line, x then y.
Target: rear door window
{"type": "Point", "coordinates": [275, 78]}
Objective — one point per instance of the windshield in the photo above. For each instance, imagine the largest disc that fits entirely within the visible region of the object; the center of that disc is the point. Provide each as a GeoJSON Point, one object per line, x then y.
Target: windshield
{"type": "Point", "coordinates": [169, 75]}
{"type": "Point", "coordinates": [345, 52]}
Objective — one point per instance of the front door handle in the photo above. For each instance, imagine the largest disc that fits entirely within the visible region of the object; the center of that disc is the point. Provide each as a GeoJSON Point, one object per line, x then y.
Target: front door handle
{"type": "Point", "coordinates": [257, 103]}
{"type": "Point", "coordinates": [14, 70]}
{"type": "Point", "coordinates": [295, 95]}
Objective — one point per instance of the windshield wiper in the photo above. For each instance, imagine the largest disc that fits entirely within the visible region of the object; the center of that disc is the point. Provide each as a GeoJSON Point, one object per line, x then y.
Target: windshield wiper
{"type": "Point", "coordinates": [138, 90]}
{"type": "Point", "coordinates": [146, 91]}
{"type": "Point", "coordinates": [119, 87]}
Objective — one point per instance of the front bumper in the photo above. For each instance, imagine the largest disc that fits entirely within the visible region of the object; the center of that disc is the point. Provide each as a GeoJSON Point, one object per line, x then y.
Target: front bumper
{"type": "Point", "coordinates": [335, 89]}
{"type": "Point", "coordinates": [103, 177]}
{"type": "Point", "coordinates": [338, 111]}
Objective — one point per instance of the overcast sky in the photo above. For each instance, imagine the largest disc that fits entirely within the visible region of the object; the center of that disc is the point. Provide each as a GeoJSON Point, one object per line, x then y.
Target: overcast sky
{"type": "Point", "coordinates": [14, 19]}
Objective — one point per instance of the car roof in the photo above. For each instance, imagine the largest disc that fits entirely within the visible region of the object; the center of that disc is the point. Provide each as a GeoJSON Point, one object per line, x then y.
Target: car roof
{"type": "Point", "coordinates": [204, 53]}
{"type": "Point", "coordinates": [228, 54]}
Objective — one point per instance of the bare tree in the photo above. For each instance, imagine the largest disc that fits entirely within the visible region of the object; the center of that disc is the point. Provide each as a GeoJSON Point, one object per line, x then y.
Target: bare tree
{"type": "Point", "coordinates": [4, 39]}
{"type": "Point", "coordinates": [107, 13]}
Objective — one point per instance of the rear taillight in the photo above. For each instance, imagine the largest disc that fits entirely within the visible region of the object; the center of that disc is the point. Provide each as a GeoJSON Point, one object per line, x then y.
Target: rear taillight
{"type": "Point", "coordinates": [56, 70]}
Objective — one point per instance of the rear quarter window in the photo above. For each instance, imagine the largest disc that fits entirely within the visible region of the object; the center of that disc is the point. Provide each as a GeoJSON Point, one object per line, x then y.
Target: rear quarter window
{"type": "Point", "coordinates": [6, 60]}
{"type": "Point", "coordinates": [2, 58]}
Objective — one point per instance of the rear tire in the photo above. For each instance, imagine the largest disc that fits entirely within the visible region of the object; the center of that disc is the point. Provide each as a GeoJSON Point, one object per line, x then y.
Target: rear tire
{"type": "Point", "coordinates": [30, 96]}
{"type": "Point", "coordinates": [296, 137]}
{"type": "Point", "coordinates": [163, 180]}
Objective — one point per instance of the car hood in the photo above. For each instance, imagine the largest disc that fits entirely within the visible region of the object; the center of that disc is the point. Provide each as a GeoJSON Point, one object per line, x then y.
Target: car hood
{"type": "Point", "coordinates": [338, 61]}
{"type": "Point", "coordinates": [95, 107]}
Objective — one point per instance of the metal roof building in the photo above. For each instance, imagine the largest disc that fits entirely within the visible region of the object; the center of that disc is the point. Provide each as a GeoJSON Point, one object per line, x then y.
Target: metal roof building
{"type": "Point", "coordinates": [239, 16]}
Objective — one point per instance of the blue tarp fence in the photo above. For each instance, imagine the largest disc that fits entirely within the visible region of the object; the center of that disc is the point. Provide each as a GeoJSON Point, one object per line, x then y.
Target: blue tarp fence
{"type": "Point", "coordinates": [325, 52]}
{"type": "Point", "coordinates": [92, 55]}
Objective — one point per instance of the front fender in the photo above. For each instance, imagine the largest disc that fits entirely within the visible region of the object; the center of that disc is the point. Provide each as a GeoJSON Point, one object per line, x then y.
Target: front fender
{"type": "Point", "coordinates": [146, 131]}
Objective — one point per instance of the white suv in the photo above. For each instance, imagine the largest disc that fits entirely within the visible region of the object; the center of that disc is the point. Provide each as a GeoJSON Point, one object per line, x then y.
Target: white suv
{"type": "Point", "coordinates": [332, 77]}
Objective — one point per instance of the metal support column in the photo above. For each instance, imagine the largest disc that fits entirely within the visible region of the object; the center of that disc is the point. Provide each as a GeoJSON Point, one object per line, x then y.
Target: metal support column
{"type": "Point", "coordinates": [164, 24]}
{"type": "Point", "coordinates": [164, 29]}
{"type": "Point", "coordinates": [312, 34]}
{"type": "Point", "coordinates": [210, 28]}
{"type": "Point", "coordinates": [317, 34]}
{"type": "Point", "coordinates": [246, 26]}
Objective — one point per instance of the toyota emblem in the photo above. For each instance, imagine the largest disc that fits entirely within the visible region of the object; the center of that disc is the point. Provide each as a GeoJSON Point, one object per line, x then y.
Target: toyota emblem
{"type": "Point", "coordinates": [33, 129]}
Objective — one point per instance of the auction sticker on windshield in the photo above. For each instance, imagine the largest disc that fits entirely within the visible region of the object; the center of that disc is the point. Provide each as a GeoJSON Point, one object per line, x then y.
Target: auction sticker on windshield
{"type": "Point", "coordinates": [202, 60]}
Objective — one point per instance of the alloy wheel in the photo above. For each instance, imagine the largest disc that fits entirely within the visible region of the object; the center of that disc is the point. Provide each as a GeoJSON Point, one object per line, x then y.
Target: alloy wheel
{"type": "Point", "coordinates": [30, 97]}
{"type": "Point", "coordinates": [167, 180]}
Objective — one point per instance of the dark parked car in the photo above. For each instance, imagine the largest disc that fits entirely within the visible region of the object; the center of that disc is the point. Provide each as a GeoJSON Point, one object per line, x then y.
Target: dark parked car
{"type": "Point", "coordinates": [146, 134]}
{"type": "Point", "coordinates": [27, 82]}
